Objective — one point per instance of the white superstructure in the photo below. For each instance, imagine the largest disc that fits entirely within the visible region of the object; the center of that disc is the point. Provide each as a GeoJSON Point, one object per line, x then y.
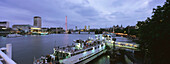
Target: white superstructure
{"type": "Point", "coordinates": [82, 55]}
{"type": "Point", "coordinates": [81, 52]}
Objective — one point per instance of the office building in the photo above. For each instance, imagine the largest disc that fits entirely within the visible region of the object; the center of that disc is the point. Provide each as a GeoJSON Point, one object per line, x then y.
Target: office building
{"type": "Point", "coordinates": [37, 21]}
{"type": "Point", "coordinates": [4, 24]}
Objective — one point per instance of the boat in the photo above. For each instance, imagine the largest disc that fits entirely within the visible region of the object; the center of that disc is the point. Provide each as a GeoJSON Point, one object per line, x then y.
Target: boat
{"type": "Point", "coordinates": [39, 33]}
{"type": "Point", "coordinates": [80, 52]}
{"type": "Point", "coordinates": [13, 35]}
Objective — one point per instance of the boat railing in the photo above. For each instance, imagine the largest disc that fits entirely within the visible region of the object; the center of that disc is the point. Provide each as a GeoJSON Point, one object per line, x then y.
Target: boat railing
{"type": "Point", "coordinates": [8, 56]}
{"type": "Point", "coordinates": [76, 51]}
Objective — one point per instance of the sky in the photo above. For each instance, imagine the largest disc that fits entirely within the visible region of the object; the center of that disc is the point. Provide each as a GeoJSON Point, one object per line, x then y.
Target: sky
{"type": "Point", "coordinates": [95, 13]}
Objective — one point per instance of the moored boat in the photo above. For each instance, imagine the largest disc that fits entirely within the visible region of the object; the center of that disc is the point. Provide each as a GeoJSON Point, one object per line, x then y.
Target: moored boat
{"type": "Point", "coordinates": [13, 35]}
{"type": "Point", "coordinates": [81, 52]}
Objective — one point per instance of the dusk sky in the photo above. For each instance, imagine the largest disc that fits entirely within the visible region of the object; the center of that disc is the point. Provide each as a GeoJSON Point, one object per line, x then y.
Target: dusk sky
{"type": "Point", "coordinates": [96, 13]}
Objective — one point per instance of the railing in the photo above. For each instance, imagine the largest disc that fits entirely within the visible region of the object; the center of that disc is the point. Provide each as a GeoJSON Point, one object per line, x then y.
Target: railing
{"type": "Point", "coordinates": [7, 57]}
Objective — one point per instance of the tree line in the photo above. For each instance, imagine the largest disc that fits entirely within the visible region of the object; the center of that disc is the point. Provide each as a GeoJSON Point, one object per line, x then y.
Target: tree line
{"type": "Point", "coordinates": [154, 35]}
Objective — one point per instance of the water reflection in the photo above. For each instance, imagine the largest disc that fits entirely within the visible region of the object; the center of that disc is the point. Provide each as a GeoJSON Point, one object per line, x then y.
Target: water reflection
{"type": "Point", "coordinates": [103, 59]}
{"type": "Point", "coordinates": [66, 39]}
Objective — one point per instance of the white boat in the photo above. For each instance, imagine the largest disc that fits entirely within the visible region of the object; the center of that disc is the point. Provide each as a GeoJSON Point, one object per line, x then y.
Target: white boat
{"type": "Point", "coordinates": [13, 35]}
{"type": "Point", "coordinates": [80, 52]}
{"type": "Point", "coordinates": [81, 56]}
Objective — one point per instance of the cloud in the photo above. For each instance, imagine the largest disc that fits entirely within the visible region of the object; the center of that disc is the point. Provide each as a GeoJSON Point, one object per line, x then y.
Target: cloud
{"type": "Point", "coordinates": [96, 13]}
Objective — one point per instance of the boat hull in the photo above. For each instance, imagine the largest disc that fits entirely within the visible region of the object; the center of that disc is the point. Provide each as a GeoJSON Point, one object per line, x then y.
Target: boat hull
{"type": "Point", "coordinates": [87, 60]}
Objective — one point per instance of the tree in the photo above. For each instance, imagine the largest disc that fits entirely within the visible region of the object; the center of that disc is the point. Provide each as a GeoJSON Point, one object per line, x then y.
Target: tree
{"type": "Point", "coordinates": [154, 35]}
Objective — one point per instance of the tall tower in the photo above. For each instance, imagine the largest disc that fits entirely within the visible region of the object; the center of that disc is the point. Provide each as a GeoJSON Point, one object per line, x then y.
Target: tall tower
{"type": "Point", "coordinates": [66, 24]}
{"type": "Point", "coordinates": [37, 21]}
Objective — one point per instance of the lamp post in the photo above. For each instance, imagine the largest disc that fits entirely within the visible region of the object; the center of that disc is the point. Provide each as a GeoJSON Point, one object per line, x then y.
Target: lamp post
{"type": "Point", "coordinates": [113, 55]}
{"type": "Point", "coordinates": [114, 39]}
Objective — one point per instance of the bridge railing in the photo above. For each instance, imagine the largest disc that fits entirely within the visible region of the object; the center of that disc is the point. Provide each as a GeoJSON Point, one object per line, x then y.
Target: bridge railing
{"type": "Point", "coordinates": [8, 56]}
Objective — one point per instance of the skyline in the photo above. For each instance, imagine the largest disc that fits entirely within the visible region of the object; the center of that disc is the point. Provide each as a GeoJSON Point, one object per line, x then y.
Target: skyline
{"type": "Point", "coordinates": [97, 14]}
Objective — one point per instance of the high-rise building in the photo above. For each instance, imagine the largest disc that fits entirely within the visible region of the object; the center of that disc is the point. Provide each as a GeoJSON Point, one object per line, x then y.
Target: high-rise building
{"type": "Point", "coordinates": [37, 21]}
{"type": "Point", "coordinates": [4, 24]}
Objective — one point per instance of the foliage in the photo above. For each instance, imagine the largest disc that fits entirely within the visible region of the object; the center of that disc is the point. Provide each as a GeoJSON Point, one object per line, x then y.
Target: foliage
{"type": "Point", "coordinates": [118, 30]}
{"type": "Point", "coordinates": [154, 35]}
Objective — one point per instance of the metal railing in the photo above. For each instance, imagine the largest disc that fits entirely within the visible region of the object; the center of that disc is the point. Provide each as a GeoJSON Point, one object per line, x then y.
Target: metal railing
{"type": "Point", "coordinates": [8, 56]}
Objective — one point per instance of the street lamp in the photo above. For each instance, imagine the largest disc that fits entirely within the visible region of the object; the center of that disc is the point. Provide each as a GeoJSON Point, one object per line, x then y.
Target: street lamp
{"type": "Point", "coordinates": [114, 39]}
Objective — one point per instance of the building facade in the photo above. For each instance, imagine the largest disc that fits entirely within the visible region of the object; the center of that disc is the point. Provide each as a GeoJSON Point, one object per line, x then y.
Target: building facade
{"type": "Point", "coordinates": [56, 30]}
{"type": "Point", "coordinates": [4, 28]}
{"type": "Point", "coordinates": [24, 28]}
{"type": "Point", "coordinates": [4, 24]}
{"type": "Point", "coordinates": [37, 21]}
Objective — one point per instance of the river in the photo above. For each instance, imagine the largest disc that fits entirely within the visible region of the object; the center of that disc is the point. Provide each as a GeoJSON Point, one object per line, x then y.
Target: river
{"type": "Point", "coordinates": [25, 48]}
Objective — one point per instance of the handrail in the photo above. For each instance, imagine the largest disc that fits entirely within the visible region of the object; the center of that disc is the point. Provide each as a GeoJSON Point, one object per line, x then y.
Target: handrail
{"type": "Point", "coordinates": [4, 48]}
{"type": "Point", "coordinates": [6, 58]}
{"type": "Point", "coordinates": [1, 62]}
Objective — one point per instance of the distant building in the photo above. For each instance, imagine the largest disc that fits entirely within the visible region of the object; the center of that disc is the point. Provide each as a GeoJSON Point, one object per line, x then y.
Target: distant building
{"type": "Point", "coordinates": [85, 27]}
{"type": "Point", "coordinates": [53, 30]}
{"type": "Point", "coordinates": [56, 30]}
{"type": "Point", "coordinates": [4, 28]}
{"type": "Point", "coordinates": [88, 27]}
{"type": "Point", "coordinates": [113, 29]}
{"type": "Point", "coordinates": [117, 27]}
{"type": "Point", "coordinates": [59, 30]}
{"type": "Point", "coordinates": [37, 21]}
{"type": "Point", "coordinates": [4, 25]}
{"type": "Point", "coordinates": [44, 29]}
{"type": "Point", "coordinates": [75, 27]}
{"type": "Point", "coordinates": [25, 28]}
{"type": "Point", "coordinates": [104, 29]}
